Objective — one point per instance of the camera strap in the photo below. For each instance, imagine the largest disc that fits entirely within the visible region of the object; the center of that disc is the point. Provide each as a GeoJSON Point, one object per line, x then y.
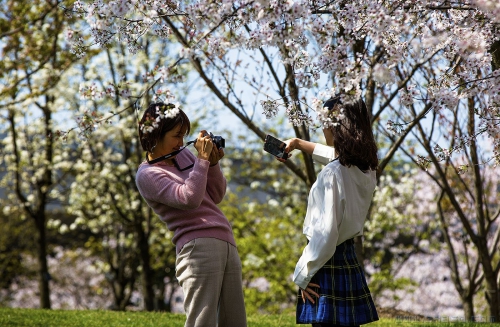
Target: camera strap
{"type": "Point", "coordinates": [168, 155]}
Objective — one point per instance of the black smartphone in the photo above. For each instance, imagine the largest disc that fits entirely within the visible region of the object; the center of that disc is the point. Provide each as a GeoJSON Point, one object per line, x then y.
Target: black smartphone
{"type": "Point", "coordinates": [275, 147]}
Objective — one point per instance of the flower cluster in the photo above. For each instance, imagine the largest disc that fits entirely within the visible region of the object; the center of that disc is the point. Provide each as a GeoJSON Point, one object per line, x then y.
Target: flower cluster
{"type": "Point", "coordinates": [328, 117]}
{"type": "Point", "coordinates": [428, 52]}
{"type": "Point", "coordinates": [496, 154]}
{"type": "Point", "coordinates": [296, 116]}
{"type": "Point", "coordinates": [150, 123]}
{"type": "Point", "coordinates": [394, 128]}
{"type": "Point", "coordinates": [88, 122]}
{"type": "Point", "coordinates": [490, 8]}
{"type": "Point", "coordinates": [442, 154]}
{"type": "Point", "coordinates": [423, 162]}
{"type": "Point", "coordinates": [163, 72]}
{"type": "Point", "coordinates": [407, 98]}
{"type": "Point", "coordinates": [444, 98]}
{"type": "Point", "coordinates": [490, 124]}
{"type": "Point", "coordinates": [270, 108]}
{"type": "Point", "coordinates": [92, 92]}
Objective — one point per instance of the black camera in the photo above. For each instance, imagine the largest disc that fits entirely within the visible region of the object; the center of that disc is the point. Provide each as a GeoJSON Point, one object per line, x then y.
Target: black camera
{"type": "Point", "coordinates": [217, 140]}
{"type": "Point", "coordinates": [275, 147]}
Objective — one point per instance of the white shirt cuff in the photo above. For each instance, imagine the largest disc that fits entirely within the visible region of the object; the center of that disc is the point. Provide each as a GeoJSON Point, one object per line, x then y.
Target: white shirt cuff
{"type": "Point", "coordinates": [301, 280]}
{"type": "Point", "coordinates": [323, 153]}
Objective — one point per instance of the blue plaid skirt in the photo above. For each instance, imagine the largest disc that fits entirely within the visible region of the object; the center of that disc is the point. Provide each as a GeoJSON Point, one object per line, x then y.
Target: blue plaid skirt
{"type": "Point", "coordinates": [345, 299]}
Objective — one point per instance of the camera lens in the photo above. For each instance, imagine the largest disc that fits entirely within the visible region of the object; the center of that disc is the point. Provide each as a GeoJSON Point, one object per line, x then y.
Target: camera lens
{"type": "Point", "coordinates": [219, 142]}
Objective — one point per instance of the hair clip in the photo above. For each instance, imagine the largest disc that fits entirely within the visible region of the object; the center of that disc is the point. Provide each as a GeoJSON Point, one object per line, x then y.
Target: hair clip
{"type": "Point", "coordinates": [332, 102]}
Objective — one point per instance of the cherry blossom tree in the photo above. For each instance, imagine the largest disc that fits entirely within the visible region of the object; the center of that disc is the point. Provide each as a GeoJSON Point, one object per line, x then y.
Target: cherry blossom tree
{"type": "Point", "coordinates": [377, 49]}
{"type": "Point", "coordinates": [468, 191]}
{"type": "Point", "coordinates": [408, 234]}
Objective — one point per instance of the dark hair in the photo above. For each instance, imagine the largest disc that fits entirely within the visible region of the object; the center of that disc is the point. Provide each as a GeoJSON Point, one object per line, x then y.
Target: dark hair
{"type": "Point", "coordinates": [353, 136]}
{"type": "Point", "coordinates": [150, 139]}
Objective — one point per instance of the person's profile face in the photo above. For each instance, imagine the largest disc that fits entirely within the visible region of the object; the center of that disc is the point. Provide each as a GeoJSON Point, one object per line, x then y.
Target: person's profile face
{"type": "Point", "coordinates": [172, 141]}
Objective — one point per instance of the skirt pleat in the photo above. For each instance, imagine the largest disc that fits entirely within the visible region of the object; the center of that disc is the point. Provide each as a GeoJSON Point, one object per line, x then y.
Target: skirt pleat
{"type": "Point", "coordinates": [345, 298]}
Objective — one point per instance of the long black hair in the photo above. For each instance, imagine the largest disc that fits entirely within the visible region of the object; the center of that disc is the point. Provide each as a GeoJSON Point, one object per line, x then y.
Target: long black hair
{"type": "Point", "coordinates": [353, 136]}
{"type": "Point", "coordinates": [149, 139]}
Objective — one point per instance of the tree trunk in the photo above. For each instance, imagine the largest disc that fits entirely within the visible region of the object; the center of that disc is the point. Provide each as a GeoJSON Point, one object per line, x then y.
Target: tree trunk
{"type": "Point", "coordinates": [491, 286]}
{"type": "Point", "coordinates": [468, 304]}
{"type": "Point", "coordinates": [482, 244]}
{"type": "Point", "coordinates": [147, 272]}
{"type": "Point", "coordinates": [160, 304]}
{"type": "Point", "coordinates": [43, 271]}
{"type": "Point", "coordinates": [495, 55]}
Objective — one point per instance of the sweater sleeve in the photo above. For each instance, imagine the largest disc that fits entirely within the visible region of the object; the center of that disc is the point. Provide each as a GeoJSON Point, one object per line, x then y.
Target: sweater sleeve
{"type": "Point", "coordinates": [216, 183]}
{"type": "Point", "coordinates": [155, 184]}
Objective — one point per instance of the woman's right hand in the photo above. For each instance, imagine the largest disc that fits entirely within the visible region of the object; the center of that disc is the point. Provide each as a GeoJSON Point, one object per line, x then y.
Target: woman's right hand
{"type": "Point", "coordinates": [309, 293]}
{"type": "Point", "coordinates": [291, 145]}
{"type": "Point", "coordinates": [204, 145]}
{"type": "Point", "coordinates": [298, 144]}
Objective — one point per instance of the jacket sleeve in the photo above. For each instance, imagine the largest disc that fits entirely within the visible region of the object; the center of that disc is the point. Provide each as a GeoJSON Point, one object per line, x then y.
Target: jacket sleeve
{"type": "Point", "coordinates": [323, 153]}
{"type": "Point", "coordinates": [326, 209]}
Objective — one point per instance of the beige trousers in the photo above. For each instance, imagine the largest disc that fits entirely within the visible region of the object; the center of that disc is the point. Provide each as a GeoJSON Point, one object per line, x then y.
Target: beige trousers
{"type": "Point", "coordinates": [209, 272]}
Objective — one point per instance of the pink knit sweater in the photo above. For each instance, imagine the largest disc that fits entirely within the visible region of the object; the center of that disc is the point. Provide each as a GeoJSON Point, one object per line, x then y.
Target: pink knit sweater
{"type": "Point", "coordinates": [186, 200]}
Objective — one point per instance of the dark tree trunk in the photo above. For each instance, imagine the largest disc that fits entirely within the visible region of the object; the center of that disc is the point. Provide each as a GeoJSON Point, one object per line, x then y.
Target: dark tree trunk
{"type": "Point", "coordinates": [495, 55]}
{"type": "Point", "coordinates": [468, 308]}
{"type": "Point", "coordinates": [147, 272]}
{"type": "Point", "coordinates": [43, 271]}
{"type": "Point", "coordinates": [490, 276]}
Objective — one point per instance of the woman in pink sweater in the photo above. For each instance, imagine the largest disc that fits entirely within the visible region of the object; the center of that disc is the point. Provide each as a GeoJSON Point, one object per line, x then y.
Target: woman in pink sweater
{"type": "Point", "coordinates": [184, 190]}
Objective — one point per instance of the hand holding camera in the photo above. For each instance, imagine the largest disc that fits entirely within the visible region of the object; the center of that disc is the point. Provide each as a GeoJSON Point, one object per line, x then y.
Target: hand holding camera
{"type": "Point", "coordinates": [203, 145]}
{"type": "Point", "coordinates": [216, 155]}
{"type": "Point", "coordinates": [219, 141]}
{"type": "Point", "coordinates": [210, 147]}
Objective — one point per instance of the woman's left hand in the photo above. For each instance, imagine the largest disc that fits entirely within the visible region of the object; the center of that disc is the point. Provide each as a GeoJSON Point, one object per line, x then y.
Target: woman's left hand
{"type": "Point", "coordinates": [216, 155]}
{"type": "Point", "coordinates": [309, 293]}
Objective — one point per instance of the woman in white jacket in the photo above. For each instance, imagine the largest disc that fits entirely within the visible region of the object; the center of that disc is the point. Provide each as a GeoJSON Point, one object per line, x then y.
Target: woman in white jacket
{"type": "Point", "coordinates": [333, 289]}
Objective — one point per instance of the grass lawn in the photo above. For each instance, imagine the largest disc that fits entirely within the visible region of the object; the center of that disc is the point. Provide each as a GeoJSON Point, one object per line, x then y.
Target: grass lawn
{"type": "Point", "coordinates": [87, 318]}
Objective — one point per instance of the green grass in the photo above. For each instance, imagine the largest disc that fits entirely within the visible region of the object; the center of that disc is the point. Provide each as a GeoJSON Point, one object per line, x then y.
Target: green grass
{"type": "Point", "coordinates": [92, 318]}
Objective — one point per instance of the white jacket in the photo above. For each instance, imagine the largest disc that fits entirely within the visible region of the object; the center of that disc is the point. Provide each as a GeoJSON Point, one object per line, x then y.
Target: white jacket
{"type": "Point", "coordinates": [336, 211]}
